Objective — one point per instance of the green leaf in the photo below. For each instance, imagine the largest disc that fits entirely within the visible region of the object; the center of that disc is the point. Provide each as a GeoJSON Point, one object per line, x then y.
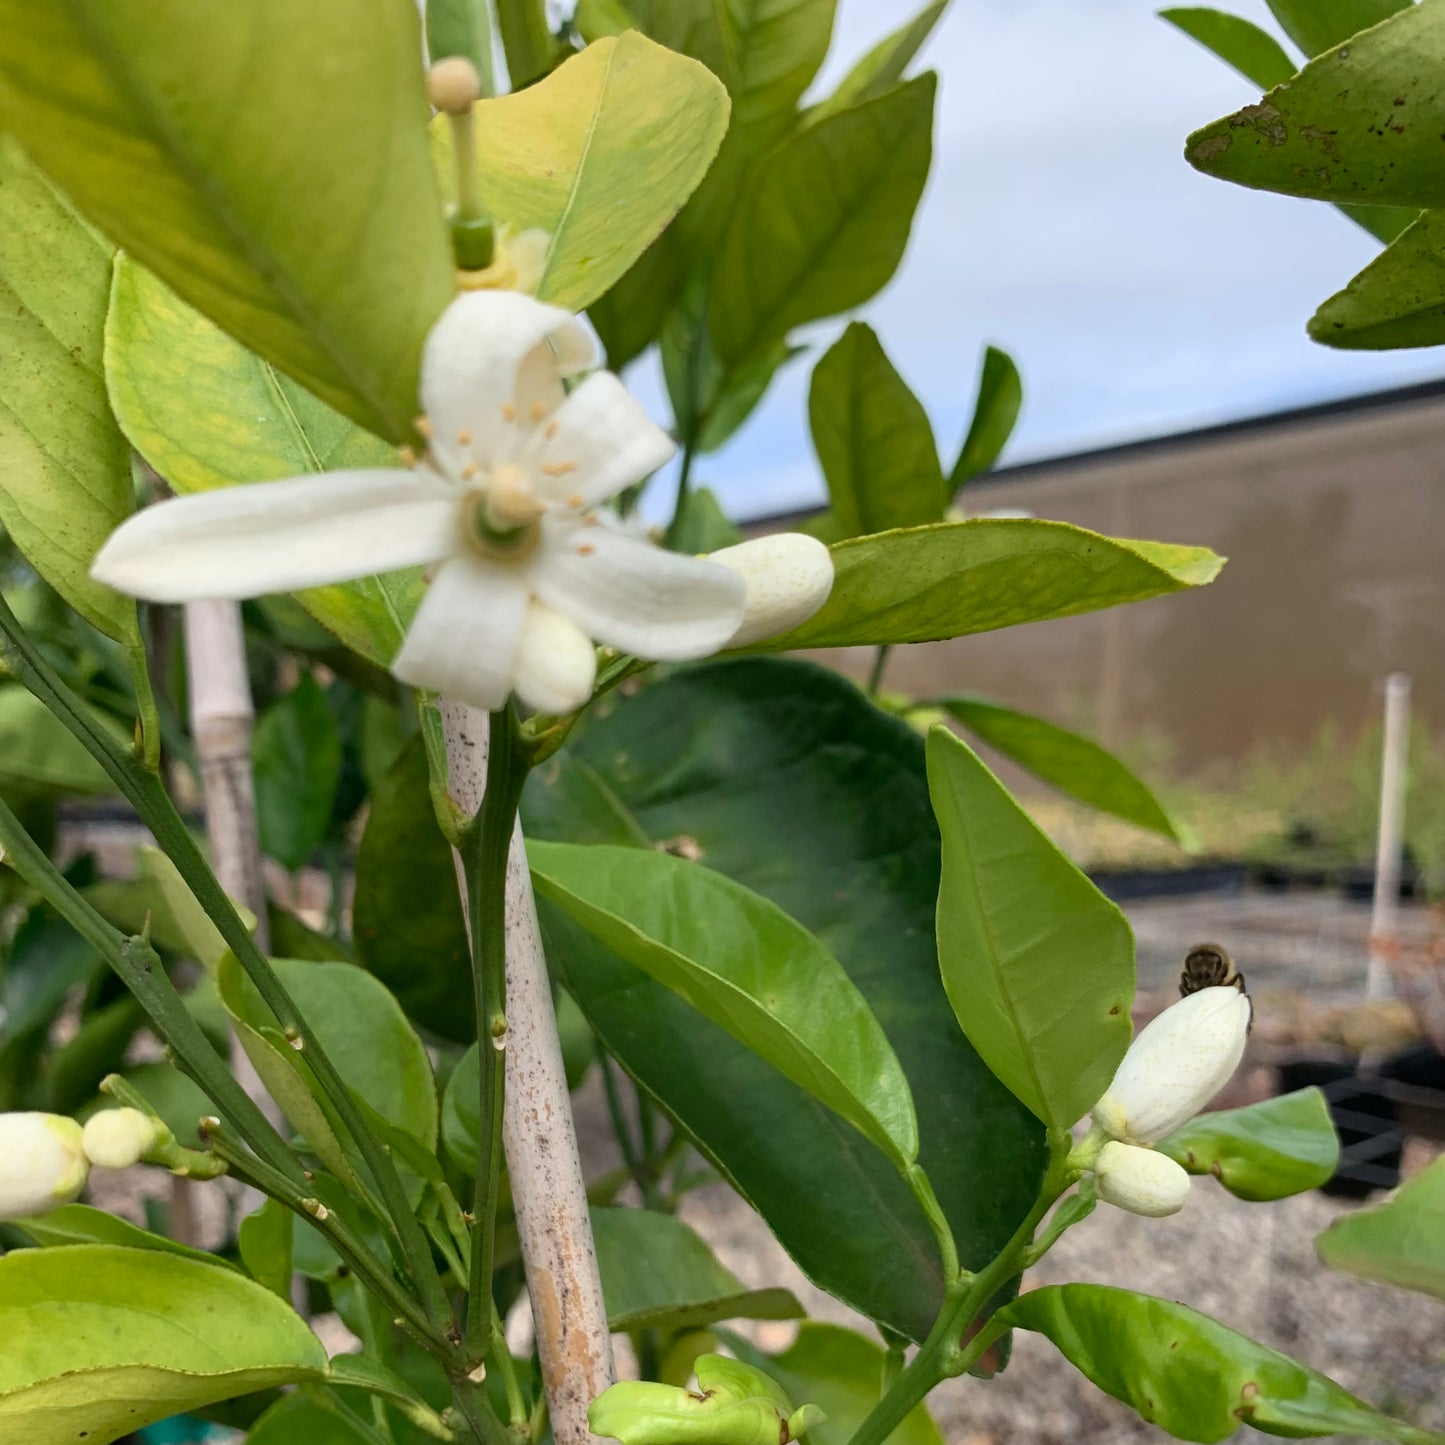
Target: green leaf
{"type": "Point", "coordinates": [1268, 1150]}
{"type": "Point", "coordinates": [313, 1416]}
{"type": "Point", "coordinates": [630, 316]}
{"type": "Point", "coordinates": [264, 1239]}
{"type": "Point", "coordinates": [176, 1097]}
{"type": "Point", "coordinates": [80, 1224]}
{"type": "Point", "coordinates": [702, 525]}
{"type": "Point", "coordinates": [145, 1335]}
{"type": "Point", "coordinates": [788, 781]}
{"type": "Point", "coordinates": [597, 19]}
{"type": "Point", "coordinates": [841, 1371]}
{"type": "Point", "coordinates": [743, 963]}
{"type": "Point", "coordinates": [1320, 25]}
{"type": "Point", "coordinates": [873, 439]}
{"type": "Point", "coordinates": [883, 66]}
{"type": "Point", "coordinates": [1360, 123]}
{"type": "Point", "coordinates": [365, 1372]}
{"type": "Point", "coordinates": [1401, 1241]}
{"type": "Point", "coordinates": [65, 480]}
{"type": "Point", "coordinates": [1038, 964]}
{"type": "Point", "coordinates": [296, 750]}
{"type": "Point", "coordinates": [824, 220]}
{"type": "Point", "coordinates": [657, 1273]}
{"type": "Point", "coordinates": [407, 921]}
{"type": "Point", "coordinates": [365, 1034]}
{"type": "Point", "coordinates": [1191, 1375]}
{"type": "Point", "coordinates": [37, 750]}
{"type": "Point", "coordinates": [601, 155]}
{"type": "Point", "coordinates": [1238, 42]}
{"type": "Point", "coordinates": [530, 46]}
{"type": "Point", "coordinates": [1398, 300]}
{"type": "Point", "coordinates": [289, 200]}
{"type": "Point", "coordinates": [462, 27]}
{"type": "Point", "coordinates": [995, 413]}
{"type": "Point", "coordinates": [205, 412]}
{"type": "Point", "coordinates": [1073, 764]}
{"type": "Point", "coordinates": [958, 578]}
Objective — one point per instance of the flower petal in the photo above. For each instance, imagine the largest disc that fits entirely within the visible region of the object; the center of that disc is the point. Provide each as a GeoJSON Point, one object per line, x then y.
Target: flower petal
{"type": "Point", "coordinates": [472, 365]}
{"type": "Point", "coordinates": [556, 663]}
{"type": "Point", "coordinates": [788, 576]}
{"type": "Point", "coordinates": [463, 641]}
{"type": "Point", "coordinates": [635, 596]}
{"type": "Point", "coordinates": [599, 441]}
{"type": "Point", "coordinates": [278, 536]}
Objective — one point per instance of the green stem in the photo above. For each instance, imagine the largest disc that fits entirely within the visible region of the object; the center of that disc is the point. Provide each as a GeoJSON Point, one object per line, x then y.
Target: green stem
{"type": "Point", "coordinates": [684, 483]}
{"type": "Point", "coordinates": [880, 665]}
{"type": "Point", "coordinates": [922, 1188]}
{"type": "Point", "coordinates": [375, 1275]}
{"type": "Point", "coordinates": [941, 1355]}
{"type": "Point", "coordinates": [146, 710]}
{"type": "Point", "coordinates": [148, 796]}
{"type": "Point", "coordinates": [141, 970]}
{"type": "Point", "coordinates": [474, 1407]}
{"type": "Point", "coordinates": [485, 851]}
{"type": "Point", "coordinates": [502, 1357]}
{"type": "Point", "coordinates": [620, 1127]}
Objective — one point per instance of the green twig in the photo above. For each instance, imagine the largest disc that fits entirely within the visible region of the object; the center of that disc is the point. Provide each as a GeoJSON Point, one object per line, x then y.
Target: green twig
{"type": "Point", "coordinates": [485, 850]}
{"type": "Point", "coordinates": [880, 665]}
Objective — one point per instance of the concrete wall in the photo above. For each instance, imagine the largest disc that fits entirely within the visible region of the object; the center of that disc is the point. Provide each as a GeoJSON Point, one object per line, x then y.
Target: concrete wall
{"type": "Point", "coordinates": [1334, 523]}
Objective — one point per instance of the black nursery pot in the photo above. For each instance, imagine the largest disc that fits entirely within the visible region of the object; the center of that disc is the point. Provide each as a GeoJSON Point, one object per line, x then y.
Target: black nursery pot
{"type": "Point", "coordinates": [1371, 1141]}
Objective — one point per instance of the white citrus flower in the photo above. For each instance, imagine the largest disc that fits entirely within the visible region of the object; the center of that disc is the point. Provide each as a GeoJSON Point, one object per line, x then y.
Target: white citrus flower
{"type": "Point", "coordinates": [41, 1164]}
{"type": "Point", "coordinates": [118, 1138]}
{"type": "Point", "coordinates": [1177, 1064]}
{"type": "Point", "coordinates": [501, 510]}
{"type": "Point", "coordinates": [788, 577]}
{"type": "Point", "coordinates": [1140, 1180]}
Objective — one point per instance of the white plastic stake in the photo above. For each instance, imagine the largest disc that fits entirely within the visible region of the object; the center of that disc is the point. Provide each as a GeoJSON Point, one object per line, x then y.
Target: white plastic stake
{"type": "Point", "coordinates": [1389, 846]}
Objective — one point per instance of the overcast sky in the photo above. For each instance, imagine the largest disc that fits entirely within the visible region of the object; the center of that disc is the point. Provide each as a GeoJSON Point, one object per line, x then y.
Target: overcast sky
{"type": "Point", "coordinates": [1062, 223]}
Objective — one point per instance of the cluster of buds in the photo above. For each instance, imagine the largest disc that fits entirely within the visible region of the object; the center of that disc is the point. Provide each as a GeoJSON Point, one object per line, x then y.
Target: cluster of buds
{"type": "Point", "coordinates": [1173, 1069]}
{"type": "Point", "coordinates": [46, 1159]}
{"type": "Point", "coordinates": [734, 1404]}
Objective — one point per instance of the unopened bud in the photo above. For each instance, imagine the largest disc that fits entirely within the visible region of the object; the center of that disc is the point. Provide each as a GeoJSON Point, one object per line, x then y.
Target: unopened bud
{"type": "Point", "coordinates": [41, 1164]}
{"type": "Point", "coordinates": [555, 669]}
{"type": "Point", "coordinates": [788, 577]}
{"type": "Point", "coordinates": [453, 85]}
{"type": "Point", "coordinates": [118, 1138]}
{"type": "Point", "coordinates": [1140, 1180]}
{"type": "Point", "coordinates": [1175, 1066]}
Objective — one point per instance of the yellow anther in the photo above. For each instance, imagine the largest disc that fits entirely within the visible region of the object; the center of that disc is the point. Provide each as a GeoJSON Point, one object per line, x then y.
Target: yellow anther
{"type": "Point", "coordinates": [423, 427]}
{"type": "Point", "coordinates": [553, 427]}
{"type": "Point", "coordinates": [559, 469]}
{"type": "Point", "coordinates": [464, 438]}
{"type": "Point", "coordinates": [575, 500]}
{"type": "Point", "coordinates": [509, 412]}
{"type": "Point", "coordinates": [538, 411]}
{"type": "Point", "coordinates": [408, 457]}
{"type": "Point", "coordinates": [586, 549]}
{"type": "Point", "coordinates": [469, 471]}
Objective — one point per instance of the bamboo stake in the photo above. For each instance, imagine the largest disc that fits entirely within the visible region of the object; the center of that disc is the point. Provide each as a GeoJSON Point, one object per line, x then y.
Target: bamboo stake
{"type": "Point", "coordinates": [540, 1138]}
{"type": "Point", "coordinates": [1389, 845]}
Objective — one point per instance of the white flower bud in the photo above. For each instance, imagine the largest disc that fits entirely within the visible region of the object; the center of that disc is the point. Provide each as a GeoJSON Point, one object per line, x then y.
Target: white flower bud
{"type": "Point", "coordinates": [41, 1164]}
{"type": "Point", "coordinates": [788, 577]}
{"type": "Point", "coordinates": [1175, 1066]}
{"type": "Point", "coordinates": [556, 663]}
{"type": "Point", "coordinates": [1140, 1180]}
{"type": "Point", "coordinates": [118, 1138]}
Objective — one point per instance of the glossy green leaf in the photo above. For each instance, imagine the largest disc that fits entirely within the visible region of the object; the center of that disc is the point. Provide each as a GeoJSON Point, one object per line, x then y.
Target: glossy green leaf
{"type": "Point", "coordinates": [1238, 42]}
{"type": "Point", "coordinates": [1191, 1375]}
{"type": "Point", "coordinates": [631, 315]}
{"type": "Point", "coordinates": [873, 439]}
{"type": "Point", "coordinates": [597, 19]}
{"type": "Point", "coordinates": [407, 921]}
{"type": "Point", "coordinates": [1038, 964]}
{"type": "Point", "coordinates": [787, 780]}
{"type": "Point", "coordinates": [658, 1273]}
{"type": "Point", "coordinates": [601, 155]}
{"type": "Point", "coordinates": [841, 1371]}
{"type": "Point", "coordinates": [1401, 1241]}
{"type": "Point", "coordinates": [995, 414]}
{"type": "Point", "coordinates": [366, 1372]}
{"type": "Point", "coordinates": [1398, 300]}
{"type": "Point", "coordinates": [462, 27]}
{"type": "Point", "coordinates": [80, 1224]}
{"type": "Point", "coordinates": [743, 963]}
{"type": "Point", "coordinates": [65, 480]}
{"type": "Point", "coordinates": [1268, 1150]}
{"type": "Point", "coordinates": [702, 525]}
{"type": "Point", "coordinates": [101, 1340]}
{"type": "Point", "coordinates": [1320, 25]}
{"type": "Point", "coordinates": [1072, 763]}
{"type": "Point", "coordinates": [264, 1239]}
{"type": "Point", "coordinates": [296, 751]}
{"type": "Point", "coordinates": [365, 1034]}
{"type": "Point", "coordinates": [883, 66]}
{"type": "Point", "coordinates": [824, 220]}
{"type": "Point", "coordinates": [311, 1416]}
{"type": "Point", "coordinates": [1360, 123]}
{"type": "Point", "coordinates": [37, 750]}
{"type": "Point", "coordinates": [205, 412]}
{"type": "Point", "coordinates": [958, 578]}
{"type": "Point", "coordinates": [527, 38]}
{"type": "Point", "coordinates": [292, 202]}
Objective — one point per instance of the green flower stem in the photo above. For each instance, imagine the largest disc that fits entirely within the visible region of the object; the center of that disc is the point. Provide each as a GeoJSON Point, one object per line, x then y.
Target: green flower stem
{"type": "Point", "coordinates": [474, 1407]}
{"type": "Point", "coordinates": [148, 796]}
{"type": "Point", "coordinates": [140, 969]}
{"type": "Point", "coordinates": [501, 1357]}
{"type": "Point", "coordinates": [146, 709]}
{"type": "Point", "coordinates": [485, 851]}
{"type": "Point", "coordinates": [880, 665]}
{"type": "Point", "coordinates": [684, 483]}
{"type": "Point", "coordinates": [942, 1354]}
{"type": "Point", "coordinates": [375, 1275]}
